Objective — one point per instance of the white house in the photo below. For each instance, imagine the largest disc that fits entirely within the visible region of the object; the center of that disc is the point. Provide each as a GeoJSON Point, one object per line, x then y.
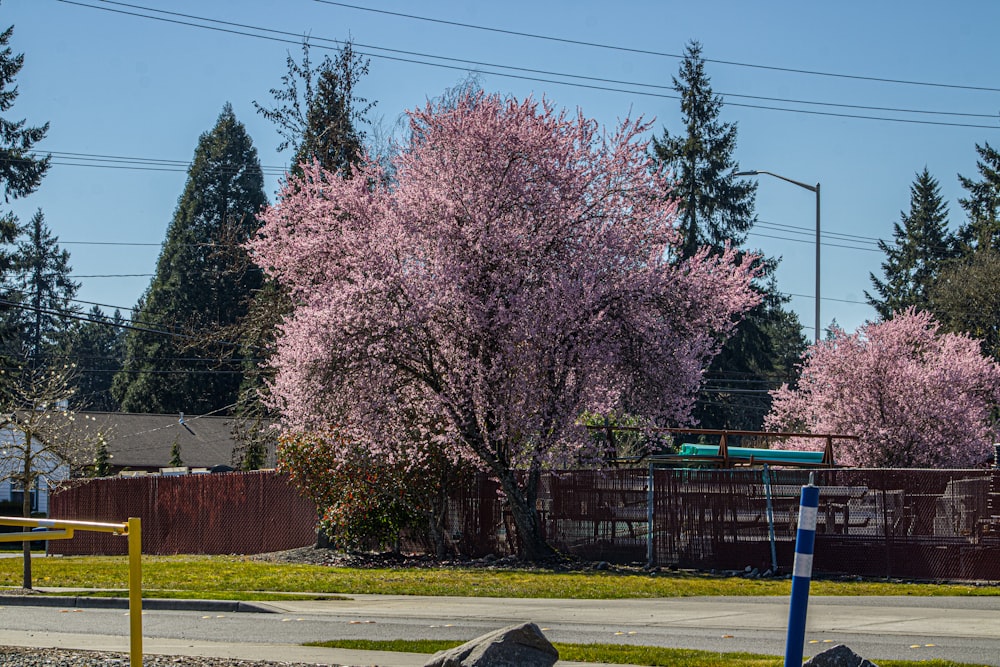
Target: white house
{"type": "Point", "coordinates": [12, 459]}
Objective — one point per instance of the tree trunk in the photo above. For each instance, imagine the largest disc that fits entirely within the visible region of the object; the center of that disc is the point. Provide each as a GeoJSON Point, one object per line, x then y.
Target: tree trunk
{"type": "Point", "coordinates": [525, 515]}
{"type": "Point", "coordinates": [26, 513]}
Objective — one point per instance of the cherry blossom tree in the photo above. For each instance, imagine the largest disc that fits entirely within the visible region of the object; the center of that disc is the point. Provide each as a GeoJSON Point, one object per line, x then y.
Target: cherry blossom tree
{"type": "Point", "coordinates": [916, 397]}
{"type": "Point", "coordinates": [518, 269]}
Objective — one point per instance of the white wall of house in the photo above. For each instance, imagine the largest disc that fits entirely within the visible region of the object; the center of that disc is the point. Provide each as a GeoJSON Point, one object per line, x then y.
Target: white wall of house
{"type": "Point", "coordinates": [8, 460]}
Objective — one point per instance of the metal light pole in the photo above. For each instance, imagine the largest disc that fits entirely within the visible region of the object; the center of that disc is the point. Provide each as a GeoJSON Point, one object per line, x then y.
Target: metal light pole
{"type": "Point", "coordinates": [811, 188]}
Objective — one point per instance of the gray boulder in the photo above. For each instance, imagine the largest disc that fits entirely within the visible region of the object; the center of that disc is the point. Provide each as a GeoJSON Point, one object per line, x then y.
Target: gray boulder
{"type": "Point", "coordinates": [515, 646]}
{"type": "Point", "coordinates": [838, 656]}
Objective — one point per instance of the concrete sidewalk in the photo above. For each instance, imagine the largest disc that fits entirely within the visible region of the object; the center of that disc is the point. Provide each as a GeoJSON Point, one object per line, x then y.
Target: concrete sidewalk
{"type": "Point", "coordinates": [242, 651]}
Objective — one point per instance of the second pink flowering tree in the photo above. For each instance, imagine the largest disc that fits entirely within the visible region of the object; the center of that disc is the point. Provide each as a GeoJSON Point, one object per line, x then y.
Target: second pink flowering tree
{"type": "Point", "coordinates": [516, 270]}
{"type": "Point", "coordinates": [915, 396]}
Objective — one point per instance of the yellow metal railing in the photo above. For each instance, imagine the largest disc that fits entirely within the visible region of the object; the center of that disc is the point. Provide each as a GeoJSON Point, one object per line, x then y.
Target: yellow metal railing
{"type": "Point", "coordinates": [63, 530]}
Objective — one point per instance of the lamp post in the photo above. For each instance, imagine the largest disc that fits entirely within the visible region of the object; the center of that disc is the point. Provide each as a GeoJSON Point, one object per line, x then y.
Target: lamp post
{"type": "Point", "coordinates": [811, 188]}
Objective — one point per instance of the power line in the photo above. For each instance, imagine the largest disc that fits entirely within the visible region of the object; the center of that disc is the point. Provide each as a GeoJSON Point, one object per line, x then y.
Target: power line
{"type": "Point", "coordinates": [108, 322]}
{"type": "Point", "coordinates": [106, 305]}
{"type": "Point", "coordinates": [137, 163]}
{"type": "Point", "coordinates": [560, 74]}
{"type": "Point", "coordinates": [657, 53]}
{"type": "Point", "coordinates": [496, 73]}
{"type": "Point", "coordinates": [121, 243]}
{"type": "Point", "coordinates": [112, 275]}
{"type": "Point", "coordinates": [828, 245]}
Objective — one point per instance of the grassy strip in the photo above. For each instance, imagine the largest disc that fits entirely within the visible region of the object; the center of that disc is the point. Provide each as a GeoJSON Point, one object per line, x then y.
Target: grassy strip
{"type": "Point", "coordinates": [653, 656]}
{"type": "Point", "coordinates": [213, 576]}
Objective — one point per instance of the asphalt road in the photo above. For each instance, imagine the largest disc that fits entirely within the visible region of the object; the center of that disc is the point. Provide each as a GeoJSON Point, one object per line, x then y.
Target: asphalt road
{"type": "Point", "coordinates": [959, 629]}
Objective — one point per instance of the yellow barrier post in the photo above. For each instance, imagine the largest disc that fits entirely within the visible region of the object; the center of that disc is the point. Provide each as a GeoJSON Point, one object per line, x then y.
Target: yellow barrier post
{"type": "Point", "coordinates": [135, 591]}
{"type": "Point", "coordinates": [63, 530]}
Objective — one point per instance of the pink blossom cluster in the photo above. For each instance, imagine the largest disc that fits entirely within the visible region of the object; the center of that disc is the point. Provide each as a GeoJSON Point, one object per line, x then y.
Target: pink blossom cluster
{"type": "Point", "coordinates": [515, 270]}
{"type": "Point", "coordinates": [916, 397]}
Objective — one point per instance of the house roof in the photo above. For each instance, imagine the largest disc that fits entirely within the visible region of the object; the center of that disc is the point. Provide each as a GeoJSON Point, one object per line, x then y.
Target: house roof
{"type": "Point", "coordinates": [145, 441]}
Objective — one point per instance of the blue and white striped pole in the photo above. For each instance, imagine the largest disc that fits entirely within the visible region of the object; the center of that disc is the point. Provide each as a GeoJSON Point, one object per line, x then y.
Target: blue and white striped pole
{"type": "Point", "coordinates": [805, 540]}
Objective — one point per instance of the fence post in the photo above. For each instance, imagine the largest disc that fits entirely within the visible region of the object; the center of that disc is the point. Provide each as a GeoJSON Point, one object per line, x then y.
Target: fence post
{"type": "Point", "coordinates": [650, 499]}
{"type": "Point", "coordinates": [770, 519]}
{"type": "Point", "coordinates": [805, 540]}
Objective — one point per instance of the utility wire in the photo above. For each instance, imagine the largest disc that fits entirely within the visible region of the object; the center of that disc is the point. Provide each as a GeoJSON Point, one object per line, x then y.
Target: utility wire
{"type": "Point", "coordinates": [551, 73]}
{"type": "Point", "coordinates": [121, 324]}
{"type": "Point", "coordinates": [82, 318]}
{"type": "Point", "coordinates": [656, 53]}
{"type": "Point", "coordinates": [496, 73]}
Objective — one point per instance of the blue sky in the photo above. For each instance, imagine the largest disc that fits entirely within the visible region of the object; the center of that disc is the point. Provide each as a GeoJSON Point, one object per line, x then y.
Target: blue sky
{"type": "Point", "coordinates": [115, 84]}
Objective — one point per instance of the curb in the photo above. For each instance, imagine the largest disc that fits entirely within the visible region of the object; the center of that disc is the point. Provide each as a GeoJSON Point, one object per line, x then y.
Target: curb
{"type": "Point", "coordinates": [159, 604]}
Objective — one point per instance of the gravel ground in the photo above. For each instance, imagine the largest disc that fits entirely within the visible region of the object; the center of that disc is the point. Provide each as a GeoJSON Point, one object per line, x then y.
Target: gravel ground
{"type": "Point", "coordinates": [53, 657]}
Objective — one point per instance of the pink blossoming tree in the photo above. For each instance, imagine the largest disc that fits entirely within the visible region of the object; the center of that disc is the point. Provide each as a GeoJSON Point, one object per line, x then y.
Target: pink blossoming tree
{"type": "Point", "coordinates": [516, 271]}
{"type": "Point", "coordinates": [915, 396]}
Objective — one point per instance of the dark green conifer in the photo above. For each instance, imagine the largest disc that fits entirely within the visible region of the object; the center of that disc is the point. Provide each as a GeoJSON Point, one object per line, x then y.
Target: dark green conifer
{"type": "Point", "coordinates": [95, 347]}
{"type": "Point", "coordinates": [44, 293]}
{"type": "Point", "coordinates": [21, 171]}
{"type": "Point", "coordinates": [920, 248]}
{"type": "Point", "coordinates": [318, 112]}
{"type": "Point", "coordinates": [714, 206]}
{"type": "Point", "coordinates": [982, 205]}
{"type": "Point", "coordinates": [176, 362]}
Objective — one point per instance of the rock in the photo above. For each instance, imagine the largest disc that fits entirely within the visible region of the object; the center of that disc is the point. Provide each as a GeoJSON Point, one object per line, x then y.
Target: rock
{"type": "Point", "coordinates": [602, 566]}
{"type": "Point", "coordinates": [838, 656]}
{"type": "Point", "coordinates": [514, 646]}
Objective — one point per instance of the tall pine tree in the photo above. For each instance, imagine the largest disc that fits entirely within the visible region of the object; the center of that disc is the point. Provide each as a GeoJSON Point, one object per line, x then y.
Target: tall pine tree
{"type": "Point", "coordinates": [716, 207]}
{"type": "Point", "coordinates": [21, 172]}
{"type": "Point", "coordinates": [44, 292]}
{"type": "Point", "coordinates": [920, 248]}
{"type": "Point", "coordinates": [175, 361]}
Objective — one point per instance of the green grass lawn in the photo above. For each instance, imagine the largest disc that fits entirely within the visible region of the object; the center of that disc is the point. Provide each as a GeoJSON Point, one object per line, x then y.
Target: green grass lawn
{"type": "Point", "coordinates": [229, 577]}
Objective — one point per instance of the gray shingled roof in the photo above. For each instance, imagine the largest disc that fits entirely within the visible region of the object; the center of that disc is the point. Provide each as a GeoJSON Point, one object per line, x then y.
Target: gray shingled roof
{"type": "Point", "coordinates": [144, 441]}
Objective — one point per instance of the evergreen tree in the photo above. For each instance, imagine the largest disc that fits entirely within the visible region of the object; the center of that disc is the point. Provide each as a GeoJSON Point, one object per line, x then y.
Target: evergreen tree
{"type": "Point", "coordinates": [21, 172]}
{"type": "Point", "coordinates": [95, 346]}
{"type": "Point", "coordinates": [102, 460]}
{"type": "Point", "coordinates": [921, 246]}
{"type": "Point", "coordinates": [44, 292]}
{"type": "Point", "coordinates": [175, 455]}
{"type": "Point", "coordinates": [760, 356]}
{"type": "Point", "coordinates": [982, 205]}
{"type": "Point", "coordinates": [318, 113]}
{"type": "Point", "coordinates": [177, 363]}
{"type": "Point", "coordinates": [714, 206]}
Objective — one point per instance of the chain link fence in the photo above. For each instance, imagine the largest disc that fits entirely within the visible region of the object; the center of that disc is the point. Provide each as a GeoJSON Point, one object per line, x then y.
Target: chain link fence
{"type": "Point", "coordinates": [922, 524]}
{"type": "Point", "coordinates": [218, 513]}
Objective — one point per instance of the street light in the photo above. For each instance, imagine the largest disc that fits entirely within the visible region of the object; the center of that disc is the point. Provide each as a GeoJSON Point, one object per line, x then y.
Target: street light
{"type": "Point", "coordinates": [811, 188]}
